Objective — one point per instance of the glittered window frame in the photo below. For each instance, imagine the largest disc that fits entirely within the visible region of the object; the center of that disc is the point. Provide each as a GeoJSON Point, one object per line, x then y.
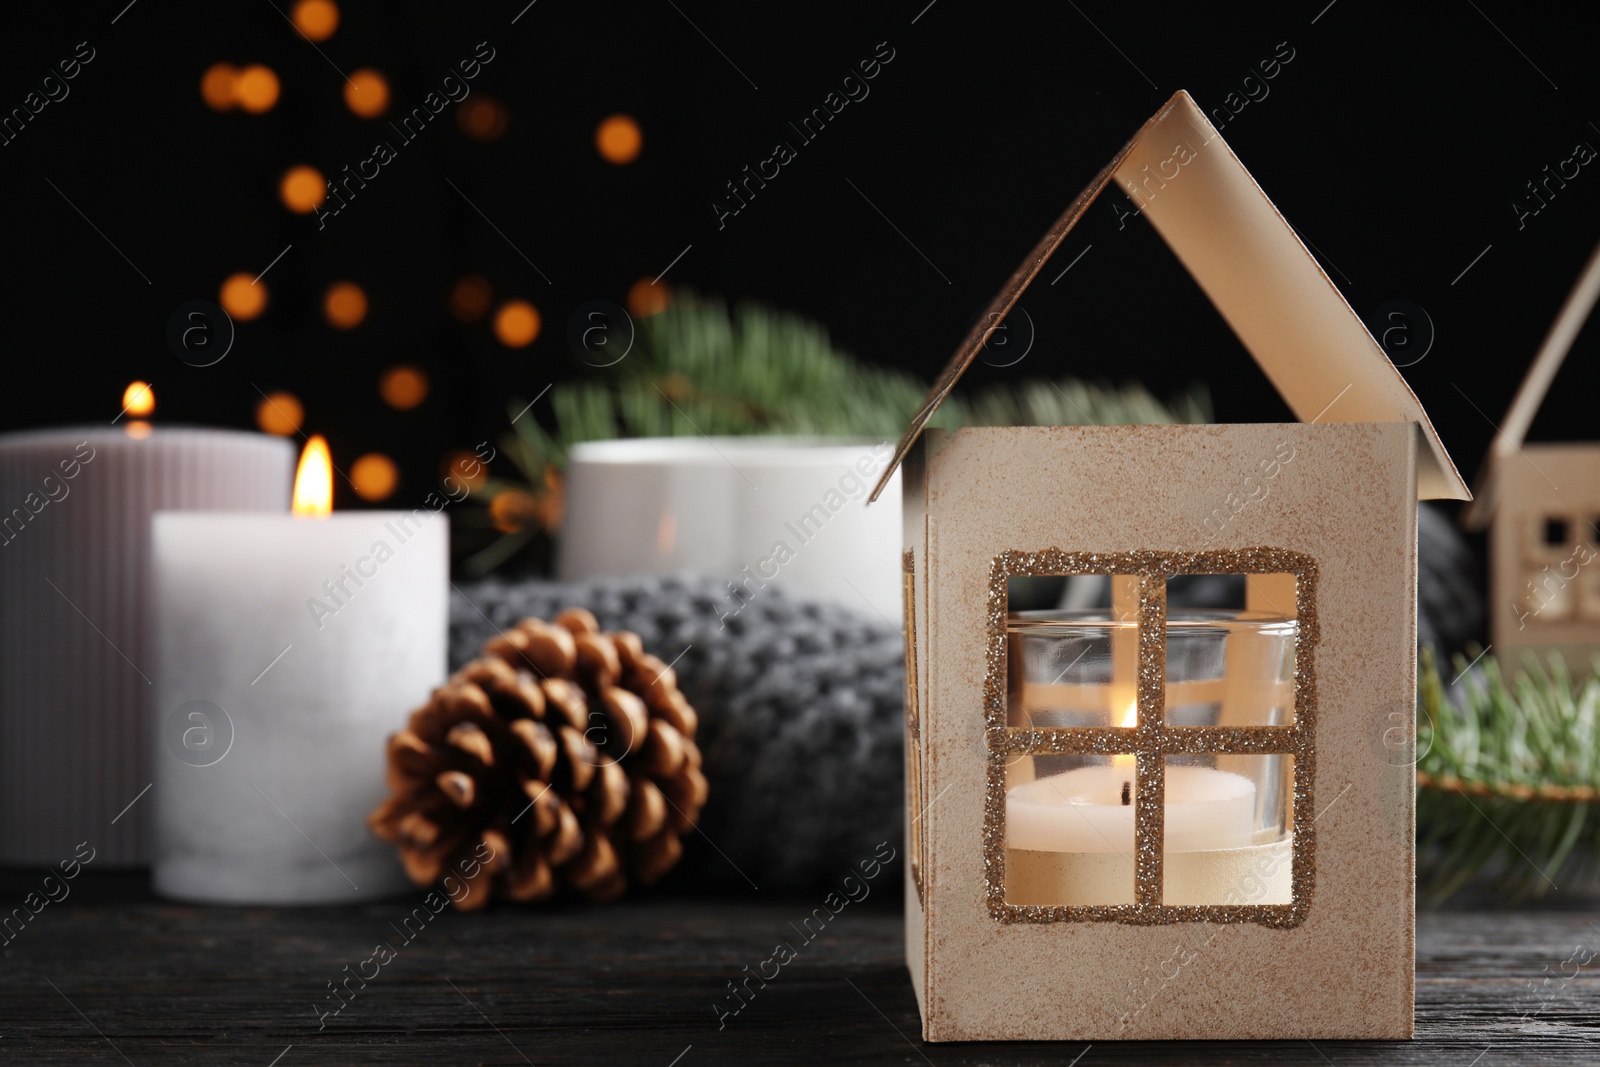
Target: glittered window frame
{"type": "Point", "coordinates": [1152, 740]}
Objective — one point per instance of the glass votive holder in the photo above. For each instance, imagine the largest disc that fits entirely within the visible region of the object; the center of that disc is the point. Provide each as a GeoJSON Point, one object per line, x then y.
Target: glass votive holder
{"type": "Point", "coordinates": [1228, 816]}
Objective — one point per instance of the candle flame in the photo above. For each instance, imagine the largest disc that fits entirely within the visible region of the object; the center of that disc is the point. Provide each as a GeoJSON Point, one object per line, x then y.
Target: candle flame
{"type": "Point", "coordinates": [1124, 761]}
{"type": "Point", "coordinates": [313, 482]}
{"type": "Point", "coordinates": [138, 399]}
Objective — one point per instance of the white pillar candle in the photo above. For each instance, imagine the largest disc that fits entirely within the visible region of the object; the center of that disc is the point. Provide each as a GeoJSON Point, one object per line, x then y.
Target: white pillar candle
{"type": "Point", "coordinates": [314, 636]}
{"type": "Point", "coordinates": [76, 656]}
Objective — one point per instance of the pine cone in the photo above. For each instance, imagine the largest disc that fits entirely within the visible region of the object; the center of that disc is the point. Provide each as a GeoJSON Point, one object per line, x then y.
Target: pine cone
{"type": "Point", "coordinates": [563, 754]}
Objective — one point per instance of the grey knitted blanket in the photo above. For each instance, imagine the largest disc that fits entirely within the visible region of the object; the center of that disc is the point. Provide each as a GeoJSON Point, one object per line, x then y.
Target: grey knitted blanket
{"type": "Point", "coordinates": [800, 707]}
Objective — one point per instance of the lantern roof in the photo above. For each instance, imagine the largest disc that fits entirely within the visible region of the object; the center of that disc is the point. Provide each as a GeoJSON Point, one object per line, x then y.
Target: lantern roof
{"type": "Point", "coordinates": [1296, 324]}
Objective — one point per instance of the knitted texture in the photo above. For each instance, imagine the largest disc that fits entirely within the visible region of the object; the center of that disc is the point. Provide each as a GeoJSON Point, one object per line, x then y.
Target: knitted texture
{"type": "Point", "coordinates": [801, 714]}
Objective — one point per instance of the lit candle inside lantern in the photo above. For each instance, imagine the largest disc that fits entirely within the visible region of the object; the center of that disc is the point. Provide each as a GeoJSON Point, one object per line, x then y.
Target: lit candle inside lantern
{"type": "Point", "coordinates": [1091, 809]}
{"type": "Point", "coordinates": [289, 648]}
{"type": "Point", "coordinates": [1070, 836]}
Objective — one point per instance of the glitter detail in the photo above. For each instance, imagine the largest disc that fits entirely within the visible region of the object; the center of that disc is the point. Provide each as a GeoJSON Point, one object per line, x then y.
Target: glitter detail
{"type": "Point", "coordinates": [913, 724]}
{"type": "Point", "coordinates": [1152, 740]}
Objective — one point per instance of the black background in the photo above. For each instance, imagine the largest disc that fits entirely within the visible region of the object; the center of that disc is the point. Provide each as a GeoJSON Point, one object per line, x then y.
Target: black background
{"type": "Point", "coordinates": [1395, 140]}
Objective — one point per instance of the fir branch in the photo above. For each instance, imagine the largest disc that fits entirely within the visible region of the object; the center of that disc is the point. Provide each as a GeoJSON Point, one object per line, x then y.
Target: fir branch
{"type": "Point", "coordinates": [1509, 778]}
{"type": "Point", "coordinates": [696, 368]}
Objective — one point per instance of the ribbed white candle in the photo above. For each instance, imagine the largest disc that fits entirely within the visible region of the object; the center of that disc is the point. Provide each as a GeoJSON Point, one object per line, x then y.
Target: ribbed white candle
{"type": "Point", "coordinates": [76, 651]}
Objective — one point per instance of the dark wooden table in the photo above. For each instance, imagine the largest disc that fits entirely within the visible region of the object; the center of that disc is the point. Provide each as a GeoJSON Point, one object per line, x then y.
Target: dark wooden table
{"type": "Point", "coordinates": [111, 975]}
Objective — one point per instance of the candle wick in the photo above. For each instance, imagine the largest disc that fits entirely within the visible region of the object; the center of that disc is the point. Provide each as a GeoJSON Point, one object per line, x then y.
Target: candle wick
{"type": "Point", "coordinates": [1127, 793]}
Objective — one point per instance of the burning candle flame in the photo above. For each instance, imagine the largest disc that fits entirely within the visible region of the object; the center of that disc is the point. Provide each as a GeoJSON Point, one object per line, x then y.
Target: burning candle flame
{"type": "Point", "coordinates": [313, 481]}
{"type": "Point", "coordinates": [138, 399]}
{"type": "Point", "coordinates": [1124, 761]}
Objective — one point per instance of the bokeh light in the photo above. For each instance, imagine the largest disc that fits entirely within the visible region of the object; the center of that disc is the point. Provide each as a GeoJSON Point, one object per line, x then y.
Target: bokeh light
{"type": "Point", "coordinates": [516, 324]}
{"type": "Point", "coordinates": [374, 476]}
{"type": "Point", "coordinates": [256, 89]}
{"type": "Point", "coordinates": [344, 305]}
{"type": "Point", "coordinates": [646, 298]}
{"type": "Point", "coordinates": [470, 297]}
{"type": "Point", "coordinates": [138, 399]}
{"type": "Point", "coordinates": [367, 93]}
{"type": "Point", "coordinates": [217, 86]}
{"type": "Point", "coordinates": [483, 118]}
{"type": "Point", "coordinates": [513, 510]}
{"type": "Point", "coordinates": [462, 467]}
{"type": "Point", "coordinates": [303, 189]}
{"type": "Point", "coordinates": [280, 413]}
{"type": "Point", "coordinates": [403, 387]}
{"type": "Point", "coordinates": [317, 19]}
{"type": "Point", "coordinates": [242, 299]}
{"type": "Point", "coordinates": [618, 139]}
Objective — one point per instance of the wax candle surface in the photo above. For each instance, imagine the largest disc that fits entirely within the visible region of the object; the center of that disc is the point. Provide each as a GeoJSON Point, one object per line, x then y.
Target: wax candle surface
{"type": "Point", "coordinates": [314, 637]}
{"type": "Point", "coordinates": [76, 652]}
{"type": "Point", "coordinates": [1082, 811]}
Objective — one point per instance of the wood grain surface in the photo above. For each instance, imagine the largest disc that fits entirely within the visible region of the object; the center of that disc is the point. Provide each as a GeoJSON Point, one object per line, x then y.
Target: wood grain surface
{"type": "Point", "coordinates": [110, 975]}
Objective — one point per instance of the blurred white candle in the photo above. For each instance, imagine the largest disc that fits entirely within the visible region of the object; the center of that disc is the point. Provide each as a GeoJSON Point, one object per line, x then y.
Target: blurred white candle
{"type": "Point", "coordinates": [301, 643]}
{"type": "Point", "coordinates": [786, 511]}
{"type": "Point", "coordinates": [76, 655]}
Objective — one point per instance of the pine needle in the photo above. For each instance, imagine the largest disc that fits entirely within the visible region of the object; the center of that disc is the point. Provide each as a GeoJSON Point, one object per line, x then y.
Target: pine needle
{"type": "Point", "coordinates": [1509, 777]}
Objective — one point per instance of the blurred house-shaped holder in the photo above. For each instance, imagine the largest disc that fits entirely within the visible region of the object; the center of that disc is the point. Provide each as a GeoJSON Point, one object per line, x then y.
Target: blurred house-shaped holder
{"type": "Point", "coordinates": [1541, 505]}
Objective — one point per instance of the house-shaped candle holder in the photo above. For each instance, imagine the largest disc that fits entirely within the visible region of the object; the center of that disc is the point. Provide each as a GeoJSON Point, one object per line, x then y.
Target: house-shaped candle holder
{"type": "Point", "coordinates": [1541, 503]}
{"type": "Point", "coordinates": [1153, 822]}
